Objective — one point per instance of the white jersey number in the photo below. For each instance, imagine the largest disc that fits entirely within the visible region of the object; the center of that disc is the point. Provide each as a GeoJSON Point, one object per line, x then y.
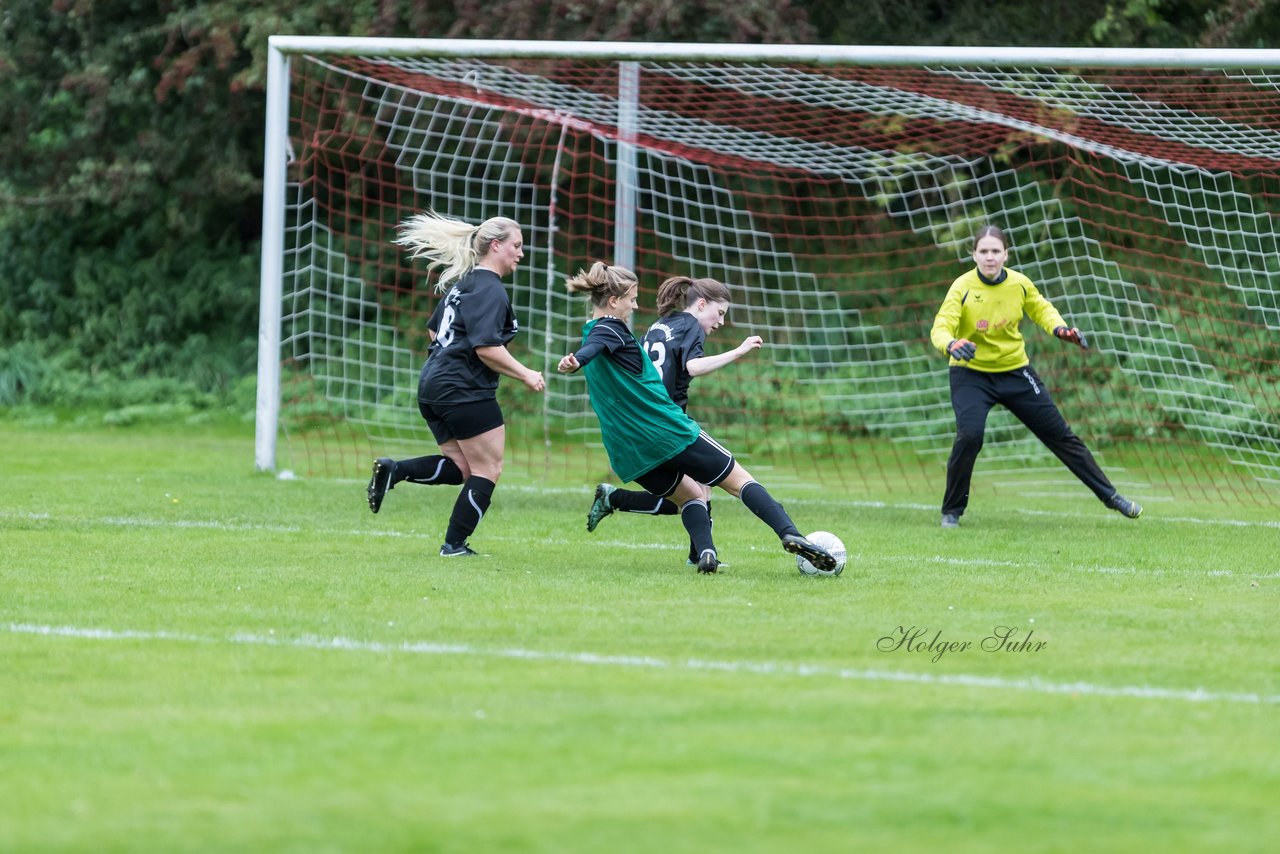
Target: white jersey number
{"type": "Point", "coordinates": [658, 354]}
{"type": "Point", "coordinates": [444, 335]}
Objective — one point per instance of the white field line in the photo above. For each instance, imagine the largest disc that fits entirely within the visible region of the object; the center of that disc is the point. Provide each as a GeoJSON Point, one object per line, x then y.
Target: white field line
{"type": "Point", "coordinates": [1100, 513]}
{"type": "Point", "coordinates": [856, 558]}
{"type": "Point", "coordinates": [765, 668]}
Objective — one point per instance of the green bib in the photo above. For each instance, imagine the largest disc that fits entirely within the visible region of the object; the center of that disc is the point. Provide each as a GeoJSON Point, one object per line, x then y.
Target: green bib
{"type": "Point", "coordinates": [641, 427]}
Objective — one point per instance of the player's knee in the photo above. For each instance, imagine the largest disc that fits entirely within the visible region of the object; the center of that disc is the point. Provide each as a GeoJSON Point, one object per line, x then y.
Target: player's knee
{"type": "Point", "coordinates": [1064, 439]}
{"type": "Point", "coordinates": [488, 468]}
{"type": "Point", "coordinates": [967, 442]}
{"type": "Point", "coordinates": [686, 490]}
{"type": "Point", "coordinates": [463, 466]}
{"type": "Point", "coordinates": [737, 478]}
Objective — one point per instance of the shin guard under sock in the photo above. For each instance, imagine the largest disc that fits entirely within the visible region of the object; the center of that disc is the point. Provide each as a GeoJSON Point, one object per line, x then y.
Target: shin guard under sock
{"type": "Point", "coordinates": [764, 505]}
{"type": "Point", "coordinates": [633, 501]}
{"type": "Point", "coordinates": [469, 509]}
{"type": "Point", "coordinates": [697, 521]}
{"type": "Point", "coordinates": [694, 554]}
{"type": "Point", "coordinates": [433, 470]}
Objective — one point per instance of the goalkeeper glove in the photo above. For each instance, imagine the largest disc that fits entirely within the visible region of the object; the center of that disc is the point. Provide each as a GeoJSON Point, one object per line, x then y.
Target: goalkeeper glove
{"type": "Point", "coordinates": [962, 349]}
{"type": "Point", "coordinates": [1070, 333]}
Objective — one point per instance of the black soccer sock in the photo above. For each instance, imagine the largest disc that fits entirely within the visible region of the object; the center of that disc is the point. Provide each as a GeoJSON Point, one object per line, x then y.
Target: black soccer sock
{"type": "Point", "coordinates": [633, 501]}
{"type": "Point", "coordinates": [433, 470]}
{"type": "Point", "coordinates": [697, 521]}
{"type": "Point", "coordinates": [469, 509]}
{"type": "Point", "coordinates": [761, 503]}
{"type": "Point", "coordinates": [694, 554]}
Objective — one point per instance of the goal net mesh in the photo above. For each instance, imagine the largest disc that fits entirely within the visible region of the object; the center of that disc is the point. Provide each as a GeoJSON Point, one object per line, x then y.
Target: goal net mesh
{"type": "Point", "coordinates": [838, 203]}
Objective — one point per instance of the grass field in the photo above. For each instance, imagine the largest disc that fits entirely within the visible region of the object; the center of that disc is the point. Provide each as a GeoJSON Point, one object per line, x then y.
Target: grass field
{"type": "Point", "coordinates": [195, 657]}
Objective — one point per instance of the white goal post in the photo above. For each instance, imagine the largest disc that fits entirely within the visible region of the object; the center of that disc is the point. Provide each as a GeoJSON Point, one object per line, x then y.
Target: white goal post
{"type": "Point", "coordinates": [836, 190]}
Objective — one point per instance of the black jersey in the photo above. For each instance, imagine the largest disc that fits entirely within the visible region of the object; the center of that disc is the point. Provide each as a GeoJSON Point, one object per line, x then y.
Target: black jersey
{"type": "Point", "coordinates": [671, 343]}
{"type": "Point", "coordinates": [611, 336]}
{"type": "Point", "coordinates": [475, 312]}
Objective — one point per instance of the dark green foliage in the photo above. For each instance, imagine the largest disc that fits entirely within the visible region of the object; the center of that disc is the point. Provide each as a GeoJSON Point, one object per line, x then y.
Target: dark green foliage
{"type": "Point", "coordinates": [1055, 23]}
{"type": "Point", "coordinates": [128, 210]}
{"type": "Point", "coordinates": [128, 304]}
{"type": "Point", "coordinates": [742, 21]}
{"type": "Point", "coordinates": [131, 136]}
{"type": "Point", "coordinates": [21, 370]}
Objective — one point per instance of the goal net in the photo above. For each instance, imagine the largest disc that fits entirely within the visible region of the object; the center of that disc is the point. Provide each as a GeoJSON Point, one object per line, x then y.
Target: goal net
{"type": "Point", "coordinates": [836, 192]}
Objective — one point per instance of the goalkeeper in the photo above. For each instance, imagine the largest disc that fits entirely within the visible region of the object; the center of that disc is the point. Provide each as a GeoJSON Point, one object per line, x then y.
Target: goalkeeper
{"type": "Point", "coordinates": [977, 327]}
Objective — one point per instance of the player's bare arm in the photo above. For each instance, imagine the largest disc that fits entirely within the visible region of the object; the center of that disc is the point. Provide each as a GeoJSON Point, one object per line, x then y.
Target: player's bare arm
{"type": "Point", "coordinates": [706, 364]}
{"type": "Point", "coordinates": [500, 359]}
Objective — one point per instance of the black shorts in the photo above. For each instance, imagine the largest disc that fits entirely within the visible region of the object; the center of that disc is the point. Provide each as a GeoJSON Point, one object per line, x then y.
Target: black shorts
{"type": "Point", "coordinates": [461, 420]}
{"type": "Point", "coordinates": [706, 461]}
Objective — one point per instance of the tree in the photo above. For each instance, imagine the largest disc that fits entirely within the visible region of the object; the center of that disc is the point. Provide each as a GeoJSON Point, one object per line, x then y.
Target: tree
{"type": "Point", "coordinates": [131, 133]}
{"type": "Point", "coordinates": [745, 21]}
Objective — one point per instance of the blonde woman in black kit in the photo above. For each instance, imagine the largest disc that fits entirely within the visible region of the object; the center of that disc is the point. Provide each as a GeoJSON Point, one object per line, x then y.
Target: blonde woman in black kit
{"type": "Point", "coordinates": [457, 389]}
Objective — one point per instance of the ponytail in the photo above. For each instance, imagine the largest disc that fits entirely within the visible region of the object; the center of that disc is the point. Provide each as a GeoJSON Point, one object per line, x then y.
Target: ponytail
{"type": "Point", "coordinates": [601, 283]}
{"type": "Point", "coordinates": [452, 244]}
{"type": "Point", "coordinates": [679, 292]}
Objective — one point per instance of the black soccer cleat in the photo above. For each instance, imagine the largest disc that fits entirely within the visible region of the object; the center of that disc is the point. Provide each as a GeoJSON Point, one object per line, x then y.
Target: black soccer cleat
{"type": "Point", "coordinates": [600, 507]}
{"type": "Point", "coordinates": [463, 550]}
{"type": "Point", "coordinates": [1125, 507]}
{"type": "Point", "coordinates": [708, 562]}
{"type": "Point", "coordinates": [815, 554]}
{"type": "Point", "coordinates": [380, 482]}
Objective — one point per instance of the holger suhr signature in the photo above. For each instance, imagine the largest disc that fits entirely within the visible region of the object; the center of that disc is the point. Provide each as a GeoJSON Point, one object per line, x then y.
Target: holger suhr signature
{"type": "Point", "coordinates": [919, 639]}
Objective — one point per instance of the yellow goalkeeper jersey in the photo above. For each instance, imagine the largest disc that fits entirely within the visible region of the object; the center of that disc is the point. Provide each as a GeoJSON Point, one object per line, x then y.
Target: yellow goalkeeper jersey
{"type": "Point", "coordinates": [988, 315]}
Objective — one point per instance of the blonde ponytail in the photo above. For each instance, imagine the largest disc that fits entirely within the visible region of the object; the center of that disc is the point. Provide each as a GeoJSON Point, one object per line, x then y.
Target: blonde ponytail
{"type": "Point", "coordinates": [451, 245]}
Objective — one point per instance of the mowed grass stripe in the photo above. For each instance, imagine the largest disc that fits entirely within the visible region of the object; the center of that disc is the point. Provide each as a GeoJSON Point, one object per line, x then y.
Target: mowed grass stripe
{"type": "Point", "coordinates": [767, 668]}
{"type": "Point", "coordinates": [855, 558]}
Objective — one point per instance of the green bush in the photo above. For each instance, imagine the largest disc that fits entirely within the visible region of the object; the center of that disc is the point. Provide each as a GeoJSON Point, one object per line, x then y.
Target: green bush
{"type": "Point", "coordinates": [104, 320]}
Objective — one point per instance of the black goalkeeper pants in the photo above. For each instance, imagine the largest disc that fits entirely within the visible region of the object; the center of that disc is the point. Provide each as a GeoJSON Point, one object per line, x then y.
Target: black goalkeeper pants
{"type": "Point", "coordinates": [1022, 392]}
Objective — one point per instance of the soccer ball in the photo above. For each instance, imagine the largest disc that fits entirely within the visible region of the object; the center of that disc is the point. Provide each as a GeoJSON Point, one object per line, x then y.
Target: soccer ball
{"type": "Point", "coordinates": [831, 543]}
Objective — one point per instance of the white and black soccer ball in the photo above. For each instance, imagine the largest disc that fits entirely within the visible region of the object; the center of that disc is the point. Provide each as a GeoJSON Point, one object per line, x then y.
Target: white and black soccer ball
{"type": "Point", "coordinates": [832, 544]}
